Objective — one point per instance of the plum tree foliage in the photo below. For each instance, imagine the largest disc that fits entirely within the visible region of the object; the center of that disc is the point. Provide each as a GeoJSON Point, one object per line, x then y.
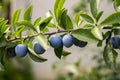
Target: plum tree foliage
{"type": "Point", "coordinates": [14, 43]}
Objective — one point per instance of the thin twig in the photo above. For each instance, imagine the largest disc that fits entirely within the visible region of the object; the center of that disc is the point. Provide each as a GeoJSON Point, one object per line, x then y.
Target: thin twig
{"type": "Point", "coordinates": [49, 33]}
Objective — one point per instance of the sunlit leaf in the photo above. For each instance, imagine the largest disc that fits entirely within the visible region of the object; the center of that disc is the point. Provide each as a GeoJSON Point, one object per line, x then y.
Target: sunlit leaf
{"type": "Point", "coordinates": [84, 35]}
{"type": "Point", "coordinates": [28, 13]}
{"type": "Point", "coordinates": [111, 19]}
{"type": "Point", "coordinates": [97, 32]}
{"type": "Point", "coordinates": [87, 18]}
{"type": "Point", "coordinates": [15, 17]}
{"type": "Point", "coordinates": [94, 4]}
{"type": "Point", "coordinates": [57, 7]}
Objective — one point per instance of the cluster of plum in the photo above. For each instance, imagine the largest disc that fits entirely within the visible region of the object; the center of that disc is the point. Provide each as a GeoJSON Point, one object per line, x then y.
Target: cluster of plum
{"type": "Point", "coordinates": [115, 42]}
{"type": "Point", "coordinates": [56, 41]}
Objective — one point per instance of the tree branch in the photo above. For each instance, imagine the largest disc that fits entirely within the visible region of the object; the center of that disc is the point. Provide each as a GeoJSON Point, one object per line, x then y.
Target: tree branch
{"type": "Point", "coordinates": [49, 33]}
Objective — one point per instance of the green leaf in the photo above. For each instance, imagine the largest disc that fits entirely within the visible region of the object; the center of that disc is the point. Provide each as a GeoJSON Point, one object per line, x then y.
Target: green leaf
{"type": "Point", "coordinates": [58, 52]}
{"type": "Point", "coordinates": [18, 32]}
{"type": "Point", "coordinates": [65, 53]}
{"type": "Point", "coordinates": [87, 18]}
{"type": "Point", "coordinates": [57, 8]}
{"type": "Point", "coordinates": [111, 19]}
{"type": "Point", "coordinates": [35, 57]}
{"type": "Point", "coordinates": [99, 44]}
{"type": "Point", "coordinates": [15, 17]}
{"type": "Point", "coordinates": [37, 22]}
{"type": "Point", "coordinates": [65, 21]}
{"type": "Point", "coordinates": [3, 42]}
{"type": "Point", "coordinates": [99, 15]}
{"type": "Point", "coordinates": [52, 25]}
{"type": "Point", "coordinates": [62, 19]}
{"type": "Point", "coordinates": [84, 35]}
{"type": "Point", "coordinates": [69, 24]}
{"type": "Point", "coordinates": [3, 27]}
{"type": "Point", "coordinates": [97, 32]}
{"type": "Point", "coordinates": [94, 4]}
{"type": "Point", "coordinates": [106, 35]}
{"type": "Point", "coordinates": [117, 5]}
{"type": "Point", "coordinates": [45, 30]}
{"type": "Point", "coordinates": [110, 56]}
{"type": "Point", "coordinates": [28, 13]}
{"type": "Point", "coordinates": [116, 31]}
{"type": "Point", "coordinates": [43, 41]}
{"type": "Point", "coordinates": [88, 26]}
{"type": "Point", "coordinates": [77, 18]}
{"type": "Point", "coordinates": [45, 22]}
{"type": "Point", "coordinates": [27, 24]}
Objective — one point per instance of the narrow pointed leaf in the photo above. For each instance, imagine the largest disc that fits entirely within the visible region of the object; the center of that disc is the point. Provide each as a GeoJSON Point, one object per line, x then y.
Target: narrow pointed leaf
{"type": "Point", "coordinates": [37, 22]}
{"type": "Point", "coordinates": [28, 13]}
{"type": "Point", "coordinates": [117, 5]}
{"type": "Point", "coordinates": [57, 7]}
{"type": "Point", "coordinates": [62, 19]}
{"type": "Point", "coordinates": [65, 22]}
{"type": "Point", "coordinates": [65, 53]}
{"type": "Point", "coordinates": [15, 17]}
{"type": "Point", "coordinates": [35, 57]}
{"type": "Point", "coordinates": [99, 15]}
{"type": "Point", "coordinates": [87, 18]}
{"type": "Point", "coordinates": [77, 18]}
{"type": "Point", "coordinates": [94, 4]}
{"type": "Point", "coordinates": [58, 52]}
{"type": "Point", "coordinates": [45, 22]}
{"type": "Point", "coordinates": [111, 19]}
{"type": "Point", "coordinates": [110, 56]}
{"type": "Point", "coordinates": [27, 24]}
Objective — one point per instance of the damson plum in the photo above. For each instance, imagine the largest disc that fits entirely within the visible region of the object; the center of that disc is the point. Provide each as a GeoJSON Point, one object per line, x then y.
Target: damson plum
{"type": "Point", "coordinates": [82, 43]}
{"type": "Point", "coordinates": [11, 52]}
{"type": "Point", "coordinates": [38, 48]}
{"type": "Point", "coordinates": [76, 42]}
{"type": "Point", "coordinates": [67, 40]}
{"type": "Point", "coordinates": [55, 41]}
{"type": "Point", "coordinates": [21, 50]}
{"type": "Point", "coordinates": [115, 42]}
{"type": "Point", "coordinates": [79, 43]}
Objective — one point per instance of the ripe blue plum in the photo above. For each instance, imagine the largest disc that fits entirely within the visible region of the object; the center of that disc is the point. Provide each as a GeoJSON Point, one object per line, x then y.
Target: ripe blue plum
{"type": "Point", "coordinates": [11, 52]}
{"type": "Point", "coordinates": [79, 43]}
{"type": "Point", "coordinates": [21, 50]}
{"type": "Point", "coordinates": [82, 43]}
{"type": "Point", "coordinates": [76, 42]}
{"type": "Point", "coordinates": [115, 41]}
{"type": "Point", "coordinates": [55, 41]}
{"type": "Point", "coordinates": [38, 48]}
{"type": "Point", "coordinates": [67, 40]}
